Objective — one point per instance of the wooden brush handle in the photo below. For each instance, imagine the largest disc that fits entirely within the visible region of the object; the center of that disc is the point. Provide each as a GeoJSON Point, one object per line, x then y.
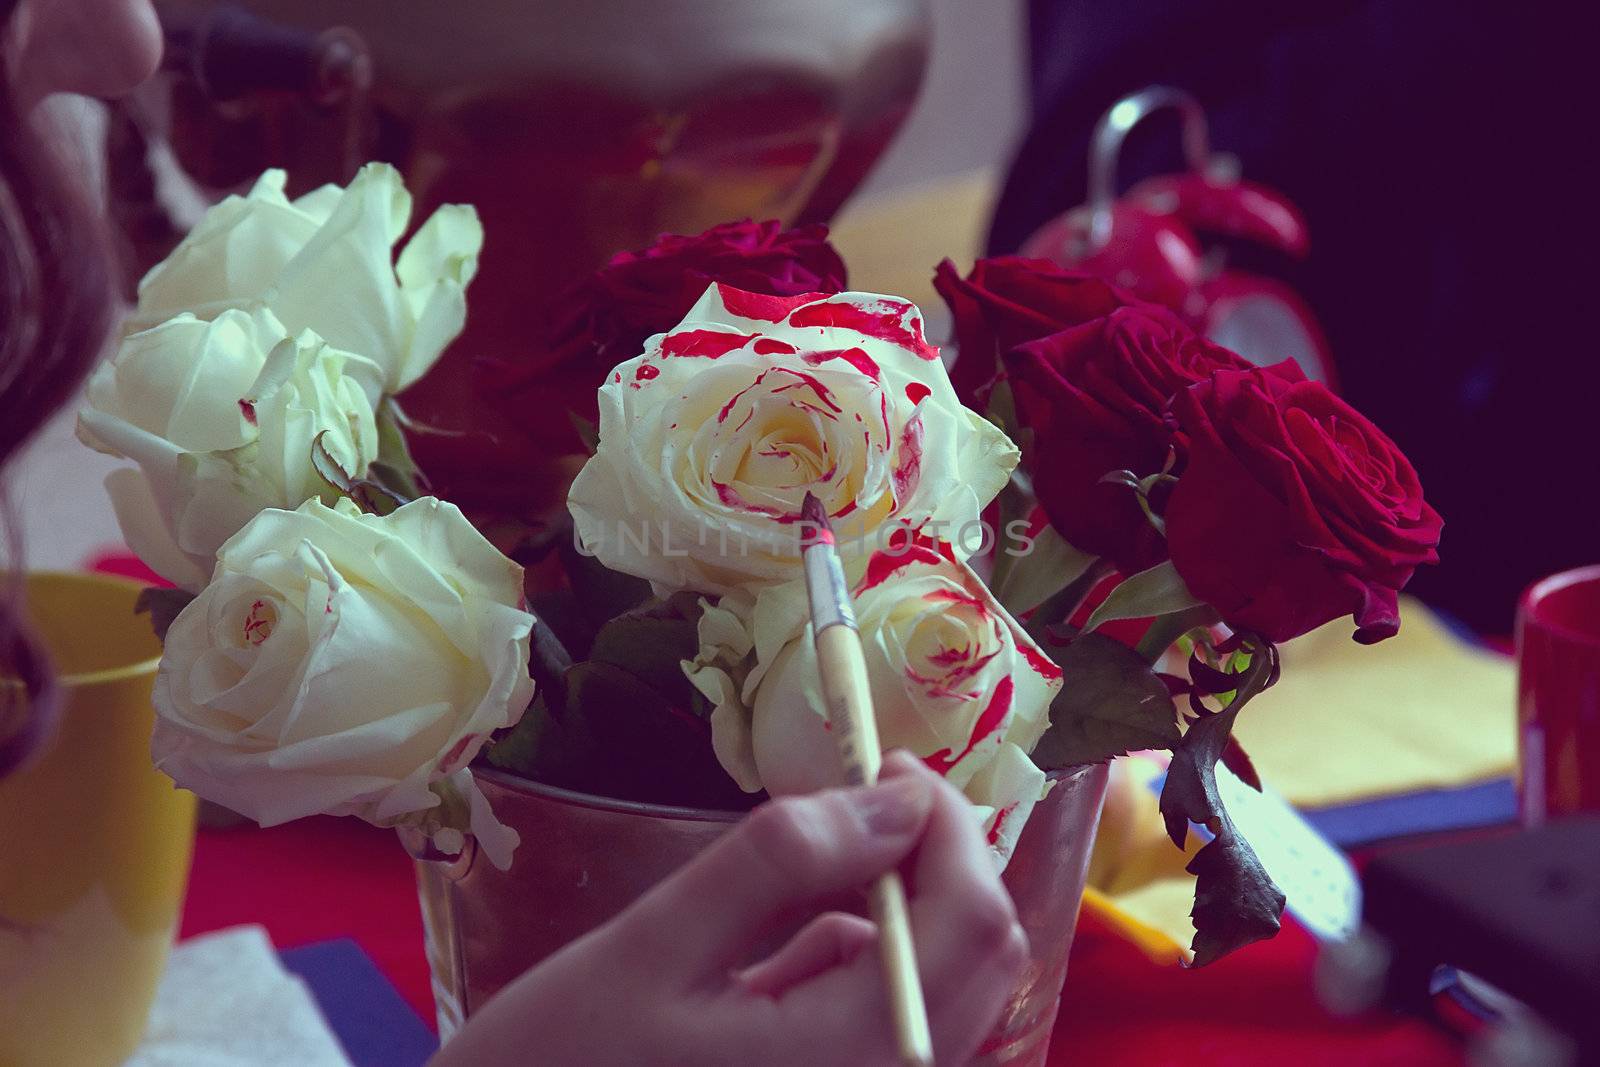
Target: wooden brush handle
{"type": "Point", "coordinates": [844, 686]}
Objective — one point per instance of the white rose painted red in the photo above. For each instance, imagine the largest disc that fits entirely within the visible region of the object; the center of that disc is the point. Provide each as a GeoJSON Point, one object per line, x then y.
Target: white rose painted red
{"type": "Point", "coordinates": [349, 664]}
{"type": "Point", "coordinates": [711, 437]}
{"type": "Point", "coordinates": [220, 417]}
{"type": "Point", "coordinates": [326, 262]}
{"type": "Point", "coordinates": [954, 679]}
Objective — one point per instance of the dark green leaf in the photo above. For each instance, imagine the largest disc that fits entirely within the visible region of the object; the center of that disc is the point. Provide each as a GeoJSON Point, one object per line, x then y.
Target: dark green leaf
{"type": "Point", "coordinates": [588, 432]}
{"type": "Point", "coordinates": [1112, 704]}
{"type": "Point", "coordinates": [1157, 591]}
{"type": "Point", "coordinates": [621, 738]}
{"type": "Point", "coordinates": [516, 750]}
{"type": "Point", "coordinates": [163, 606]}
{"type": "Point", "coordinates": [1236, 901]}
{"type": "Point", "coordinates": [602, 592]}
{"type": "Point", "coordinates": [651, 644]}
{"type": "Point", "coordinates": [369, 496]}
{"type": "Point", "coordinates": [548, 661]}
{"type": "Point", "coordinates": [395, 468]}
{"type": "Point", "coordinates": [1026, 581]}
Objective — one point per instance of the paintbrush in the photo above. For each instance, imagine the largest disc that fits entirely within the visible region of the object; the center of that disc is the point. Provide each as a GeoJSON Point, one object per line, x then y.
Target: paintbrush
{"type": "Point", "coordinates": [851, 721]}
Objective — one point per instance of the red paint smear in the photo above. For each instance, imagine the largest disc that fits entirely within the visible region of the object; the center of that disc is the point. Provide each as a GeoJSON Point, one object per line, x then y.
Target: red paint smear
{"type": "Point", "coordinates": [760, 306]}
{"type": "Point", "coordinates": [993, 715]}
{"type": "Point", "coordinates": [900, 538]}
{"type": "Point", "coordinates": [847, 509]}
{"type": "Point", "coordinates": [646, 372]}
{"type": "Point", "coordinates": [732, 499]}
{"type": "Point", "coordinates": [999, 819]}
{"type": "Point", "coordinates": [884, 325]}
{"type": "Point", "coordinates": [709, 344]}
{"type": "Point", "coordinates": [916, 392]}
{"type": "Point", "coordinates": [908, 471]}
{"type": "Point", "coordinates": [856, 357]}
{"type": "Point", "coordinates": [248, 410]}
{"type": "Point", "coordinates": [1037, 660]}
{"type": "Point", "coordinates": [821, 391]}
{"type": "Point", "coordinates": [257, 628]}
{"type": "Point", "coordinates": [448, 760]}
{"type": "Point", "coordinates": [951, 596]}
{"type": "Point", "coordinates": [771, 346]}
{"type": "Point", "coordinates": [949, 657]}
{"type": "Point", "coordinates": [722, 416]}
{"type": "Point", "coordinates": [617, 377]}
{"type": "Point", "coordinates": [884, 565]}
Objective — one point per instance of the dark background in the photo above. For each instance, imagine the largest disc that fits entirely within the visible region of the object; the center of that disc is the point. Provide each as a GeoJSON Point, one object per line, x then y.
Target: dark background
{"type": "Point", "coordinates": [1443, 154]}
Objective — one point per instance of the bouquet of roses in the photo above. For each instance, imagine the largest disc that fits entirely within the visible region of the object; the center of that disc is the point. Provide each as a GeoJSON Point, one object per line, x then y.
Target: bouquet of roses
{"type": "Point", "coordinates": [342, 641]}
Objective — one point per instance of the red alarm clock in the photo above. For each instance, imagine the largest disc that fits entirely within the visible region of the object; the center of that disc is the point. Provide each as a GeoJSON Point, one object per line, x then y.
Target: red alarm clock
{"type": "Point", "coordinates": [1151, 240]}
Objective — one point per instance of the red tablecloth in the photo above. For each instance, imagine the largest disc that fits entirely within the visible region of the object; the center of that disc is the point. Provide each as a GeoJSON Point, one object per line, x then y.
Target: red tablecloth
{"type": "Point", "coordinates": [325, 878]}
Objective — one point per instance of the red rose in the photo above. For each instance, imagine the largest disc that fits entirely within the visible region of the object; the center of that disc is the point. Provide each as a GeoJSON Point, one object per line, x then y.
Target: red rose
{"type": "Point", "coordinates": [606, 318]}
{"type": "Point", "coordinates": [1095, 397]}
{"type": "Point", "coordinates": [1008, 301]}
{"type": "Point", "coordinates": [1293, 509]}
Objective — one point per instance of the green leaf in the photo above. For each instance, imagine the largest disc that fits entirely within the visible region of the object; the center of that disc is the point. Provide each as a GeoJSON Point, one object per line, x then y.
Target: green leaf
{"type": "Point", "coordinates": [588, 433]}
{"type": "Point", "coordinates": [163, 606]}
{"type": "Point", "coordinates": [371, 497]}
{"type": "Point", "coordinates": [1235, 900]}
{"type": "Point", "coordinates": [1050, 565]}
{"type": "Point", "coordinates": [620, 738]}
{"type": "Point", "coordinates": [394, 468]}
{"type": "Point", "coordinates": [1157, 591]}
{"type": "Point", "coordinates": [548, 661]}
{"type": "Point", "coordinates": [1112, 704]}
{"type": "Point", "coordinates": [517, 749]}
{"type": "Point", "coordinates": [1003, 407]}
{"type": "Point", "coordinates": [601, 592]}
{"type": "Point", "coordinates": [650, 643]}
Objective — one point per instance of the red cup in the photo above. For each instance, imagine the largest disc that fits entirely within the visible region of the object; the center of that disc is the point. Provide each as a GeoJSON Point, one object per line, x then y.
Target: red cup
{"type": "Point", "coordinates": [1558, 696]}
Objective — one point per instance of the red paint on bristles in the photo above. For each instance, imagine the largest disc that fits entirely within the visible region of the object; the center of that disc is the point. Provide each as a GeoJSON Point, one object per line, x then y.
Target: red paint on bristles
{"type": "Point", "coordinates": [814, 523]}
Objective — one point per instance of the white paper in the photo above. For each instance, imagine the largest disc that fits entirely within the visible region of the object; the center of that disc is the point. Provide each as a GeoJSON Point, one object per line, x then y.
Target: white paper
{"type": "Point", "coordinates": [226, 1001]}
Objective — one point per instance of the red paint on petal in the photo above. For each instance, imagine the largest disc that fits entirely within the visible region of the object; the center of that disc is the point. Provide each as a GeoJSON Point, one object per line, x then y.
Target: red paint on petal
{"type": "Point", "coordinates": [856, 357]}
{"type": "Point", "coordinates": [248, 410]}
{"type": "Point", "coordinates": [916, 392]}
{"type": "Point", "coordinates": [646, 372]}
{"type": "Point", "coordinates": [448, 761]}
{"type": "Point", "coordinates": [760, 306]}
{"type": "Point", "coordinates": [708, 344]}
{"type": "Point", "coordinates": [883, 319]}
{"type": "Point", "coordinates": [884, 565]}
{"type": "Point", "coordinates": [993, 717]}
{"type": "Point", "coordinates": [1039, 662]}
{"type": "Point", "coordinates": [999, 819]}
{"type": "Point", "coordinates": [771, 346]}
{"type": "Point", "coordinates": [908, 466]}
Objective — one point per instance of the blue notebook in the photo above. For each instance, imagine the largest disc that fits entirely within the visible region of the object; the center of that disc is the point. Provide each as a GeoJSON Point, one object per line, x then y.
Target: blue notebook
{"type": "Point", "coordinates": [368, 1015]}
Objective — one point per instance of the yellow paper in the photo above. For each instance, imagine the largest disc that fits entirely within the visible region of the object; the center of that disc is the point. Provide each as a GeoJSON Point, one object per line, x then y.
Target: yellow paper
{"type": "Point", "coordinates": [1348, 722]}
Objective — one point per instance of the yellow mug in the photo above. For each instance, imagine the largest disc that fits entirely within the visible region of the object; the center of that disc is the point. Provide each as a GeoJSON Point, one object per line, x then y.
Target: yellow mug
{"type": "Point", "coordinates": [94, 842]}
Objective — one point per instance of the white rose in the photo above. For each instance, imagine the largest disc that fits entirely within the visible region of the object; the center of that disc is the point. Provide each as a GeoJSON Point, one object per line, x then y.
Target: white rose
{"type": "Point", "coordinates": [710, 439]}
{"type": "Point", "coordinates": [221, 417]}
{"type": "Point", "coordinates": [954, 680]}
{"type": "Point", "coordinates": [349, 664]}
{"type": "Point", "coordinates": [326, 262]}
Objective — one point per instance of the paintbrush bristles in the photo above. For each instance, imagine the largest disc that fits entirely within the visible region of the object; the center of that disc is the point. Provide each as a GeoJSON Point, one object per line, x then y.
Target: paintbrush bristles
{"type": "Point", "coordinates": [814, 522]}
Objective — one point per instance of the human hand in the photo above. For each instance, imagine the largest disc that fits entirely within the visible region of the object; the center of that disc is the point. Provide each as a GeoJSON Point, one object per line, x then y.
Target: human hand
{"type": "Point", "coordinates": [663, 982]}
